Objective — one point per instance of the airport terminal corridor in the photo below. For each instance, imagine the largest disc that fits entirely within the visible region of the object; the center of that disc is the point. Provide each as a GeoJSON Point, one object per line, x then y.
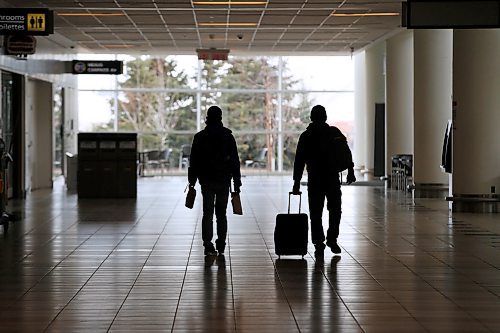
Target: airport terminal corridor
{"type": "Point", "coordinates": [121, 265]}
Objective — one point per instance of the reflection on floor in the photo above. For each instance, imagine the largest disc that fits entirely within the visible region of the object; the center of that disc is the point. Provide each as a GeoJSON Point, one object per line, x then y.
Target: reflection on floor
{"type": "Point", "coordinates": [137, 265]}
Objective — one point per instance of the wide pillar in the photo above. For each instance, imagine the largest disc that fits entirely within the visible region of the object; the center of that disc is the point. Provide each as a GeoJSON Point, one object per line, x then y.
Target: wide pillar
{"type": "Point", "coordinates": [375, 94]}
{"type": "Point", "coordinates": [399, 97]}
{"type": "Point", "coordinates": [476, 134]}
{"type": "Point", "coordinates": [39, 134]}
{"type": "Point", "coordinates": [432, 109]}
{"type": "Point", "coordinates": [359, 111]}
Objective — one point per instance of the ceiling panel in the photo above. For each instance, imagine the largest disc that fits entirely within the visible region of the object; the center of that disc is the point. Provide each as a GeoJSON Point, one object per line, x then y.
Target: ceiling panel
{"type": "Point", "coordinates": [175, 26]}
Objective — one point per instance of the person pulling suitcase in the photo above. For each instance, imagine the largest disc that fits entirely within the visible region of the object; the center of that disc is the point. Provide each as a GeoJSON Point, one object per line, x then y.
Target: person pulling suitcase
{"type": "Point", "coordinates": [323, 150]}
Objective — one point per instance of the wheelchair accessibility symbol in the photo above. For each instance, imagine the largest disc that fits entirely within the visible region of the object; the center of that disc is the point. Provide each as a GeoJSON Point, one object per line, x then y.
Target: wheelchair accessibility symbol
{"type": "Point", "coordinates": [36, 22]}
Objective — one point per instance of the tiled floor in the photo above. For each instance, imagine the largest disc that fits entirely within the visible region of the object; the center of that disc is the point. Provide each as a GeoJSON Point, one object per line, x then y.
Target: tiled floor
{"type": "Point", "coordinates": [138, 265]}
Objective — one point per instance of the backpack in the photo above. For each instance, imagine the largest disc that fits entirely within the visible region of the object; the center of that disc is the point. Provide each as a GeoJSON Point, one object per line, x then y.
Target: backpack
{"type": "Point", "coordinates": [335, 147]}
{"type": "Point", "coordinates": [342, 157]}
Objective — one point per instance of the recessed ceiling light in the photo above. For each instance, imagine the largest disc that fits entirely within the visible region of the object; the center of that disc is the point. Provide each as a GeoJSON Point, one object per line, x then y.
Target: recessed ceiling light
{"type": "Point", "coordinates": [91, 14]}
{"type": "Point", "coordinates": [229, 2]}
{"type": "Point", "coordinates": [117, 46]}
{"type": "Point", "coordinates": [363, 14]}
{"type": "Point", "coordinates": [222, 24]}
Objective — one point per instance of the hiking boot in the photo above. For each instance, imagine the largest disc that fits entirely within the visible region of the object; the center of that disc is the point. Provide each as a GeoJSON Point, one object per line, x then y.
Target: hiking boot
{"type": "Point", "coordinates": [319, 253]}
{"type": "Point", "coordinates": [210, 250]}
{"type": "Point", "coordinates": [334, 247]}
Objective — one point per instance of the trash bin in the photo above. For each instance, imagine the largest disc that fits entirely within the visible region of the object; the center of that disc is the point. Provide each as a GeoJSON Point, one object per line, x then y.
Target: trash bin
{"type": "Point", "coordinates": [107, 165]}
{"type": "Point", "coordinates": [88, 175]}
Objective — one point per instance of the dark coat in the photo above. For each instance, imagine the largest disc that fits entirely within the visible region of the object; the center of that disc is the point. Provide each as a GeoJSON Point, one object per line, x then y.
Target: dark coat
{"type": "Point", "coordinates": [214, 157]}
{"type": "Point", "coordinates": [314, 151]}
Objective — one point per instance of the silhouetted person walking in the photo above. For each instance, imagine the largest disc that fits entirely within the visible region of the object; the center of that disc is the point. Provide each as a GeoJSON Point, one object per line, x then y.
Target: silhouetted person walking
{"type": "Point", "coordinates": [315, 151]}
{"type": "Point", "coordinates": [214, 161]}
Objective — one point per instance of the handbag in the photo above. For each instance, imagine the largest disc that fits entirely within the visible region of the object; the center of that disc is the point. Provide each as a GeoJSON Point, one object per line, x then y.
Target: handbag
{"type": "Point", "coordinates": [236, 203]}
{"type": "Point", "coordinates": [190, 196]}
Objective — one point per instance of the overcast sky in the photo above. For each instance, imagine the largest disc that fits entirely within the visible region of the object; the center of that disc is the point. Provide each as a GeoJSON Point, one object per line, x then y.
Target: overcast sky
{"type": "Point", "coordinates": [316, 73]}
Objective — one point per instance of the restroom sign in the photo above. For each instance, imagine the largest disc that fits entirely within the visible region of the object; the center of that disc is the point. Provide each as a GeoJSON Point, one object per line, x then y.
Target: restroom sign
{"type": "Point", "coordinates": [26, 21]}
{"type": "Point", "coordinates": [36, 22]}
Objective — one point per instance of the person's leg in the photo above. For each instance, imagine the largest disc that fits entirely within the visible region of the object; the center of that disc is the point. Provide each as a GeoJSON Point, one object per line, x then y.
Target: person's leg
{"type": "Point", "coordinates": [221, 199]}
{"type": "Point", "coordinates": [334, 206]}
{"type": "Point", "coordinates": [207, 219]}
{"type": "Point", "coordinates": [316, 203]}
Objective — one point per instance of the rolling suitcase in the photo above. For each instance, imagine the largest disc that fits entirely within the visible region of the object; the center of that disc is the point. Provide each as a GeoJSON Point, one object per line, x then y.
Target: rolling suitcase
{"type": "Point", "coordinates": [291, 232]}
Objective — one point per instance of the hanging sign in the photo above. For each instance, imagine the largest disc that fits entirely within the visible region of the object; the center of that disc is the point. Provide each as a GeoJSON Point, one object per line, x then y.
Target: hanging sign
{"type": "Point", "coordinates": [212, 54]}
{"type": "Point", "coordinates": [26, 21]}
{"type": "Point", "coordinates": [451, 14]}
{"type": "Point", "coordinates": [97, 67]}
{"type": "Point", "coordinates": [19, 45]}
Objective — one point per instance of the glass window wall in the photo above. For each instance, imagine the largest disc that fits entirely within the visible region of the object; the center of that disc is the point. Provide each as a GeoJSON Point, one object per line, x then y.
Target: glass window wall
{"type": "Point", "coordinates": [266, 101]}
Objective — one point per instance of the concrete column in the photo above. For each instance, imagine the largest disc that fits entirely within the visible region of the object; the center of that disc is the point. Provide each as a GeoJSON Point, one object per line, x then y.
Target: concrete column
{"type": "Point", "coordinates": [359, 111]}
{"type": "Point", "coordinates": [399, 97]}
{"type": "Point", "coordinates": [71, 120]}
{"type": "Point", "coordinates": [375, 93]}
{"type": "Point", "coordinates": [476, 92]}
{"type": "Point", "coordinates": [39, 104]}
{"type": "Point", "coordinates": [432, 108]}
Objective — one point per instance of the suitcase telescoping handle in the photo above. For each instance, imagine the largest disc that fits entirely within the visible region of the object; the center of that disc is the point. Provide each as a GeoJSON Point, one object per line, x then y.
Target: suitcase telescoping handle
{"type": "Point", "coordinates": [300, 200]}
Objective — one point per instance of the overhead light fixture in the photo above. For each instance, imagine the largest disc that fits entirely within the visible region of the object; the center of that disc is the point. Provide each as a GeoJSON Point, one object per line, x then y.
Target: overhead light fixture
{"type": "Point", "coordinates": [221, 24]}
{"type": "Point", "coordinates": [363, 14]}
{"type": "Point", "coordinates": [117, 46]}
{"type": "Point", "coordinates": [218, 39]}
{"type": "Point", "coordinates": [91, 14]}
{"type": "Point", "coordinates": [229, 2]}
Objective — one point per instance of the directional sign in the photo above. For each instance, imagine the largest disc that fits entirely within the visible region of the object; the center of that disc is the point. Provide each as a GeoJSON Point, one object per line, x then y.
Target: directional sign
{"type": "Point", "coordinates": [97, 67]}
{"type": "Point", "coordinates": [26, 21]}
{"type": "Point", "coordinates": [451, 14]}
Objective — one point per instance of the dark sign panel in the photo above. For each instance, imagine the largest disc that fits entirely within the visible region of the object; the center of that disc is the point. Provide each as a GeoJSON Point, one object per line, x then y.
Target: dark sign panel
{"type": "Point", "coordinates": [212, 54]}
{"type": "Point", "coordinates": [19, 45]}
{"type": "Point", "coordinates": [451, 14]}
{"type": "Point", "coordinates": [97, 67]}
{"type": "Point", "coordinates": [26, 21]}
